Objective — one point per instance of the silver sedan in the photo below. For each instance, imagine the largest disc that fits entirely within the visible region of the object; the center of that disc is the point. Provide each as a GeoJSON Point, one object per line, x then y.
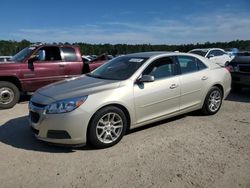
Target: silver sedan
{"type": "Point", "coordinates": [127, 92]}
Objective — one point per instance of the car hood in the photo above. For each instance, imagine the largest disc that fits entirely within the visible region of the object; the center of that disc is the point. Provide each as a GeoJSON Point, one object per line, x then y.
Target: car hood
{"type": "Point", "coordinates": [70, 88]}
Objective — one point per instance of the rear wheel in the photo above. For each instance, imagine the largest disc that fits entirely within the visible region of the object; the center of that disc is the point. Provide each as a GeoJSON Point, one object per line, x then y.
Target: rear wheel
{"type": "Point", "coordinates": [107, 127]}
{"type": "Point", "coordinates": [9, 95]}
{"type": "Point", "coordinates": [213, 101]}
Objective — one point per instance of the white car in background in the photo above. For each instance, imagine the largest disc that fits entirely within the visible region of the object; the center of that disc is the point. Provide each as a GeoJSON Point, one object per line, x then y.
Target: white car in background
{"type": "Point", "coordinates": [215, 55]}
{"type": "Point", "coordinates": [5, 58]}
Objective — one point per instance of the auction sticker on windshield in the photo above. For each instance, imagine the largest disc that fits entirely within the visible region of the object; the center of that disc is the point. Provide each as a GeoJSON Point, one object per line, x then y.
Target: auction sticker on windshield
{"type": "Point", "coordinates": [136, 60]}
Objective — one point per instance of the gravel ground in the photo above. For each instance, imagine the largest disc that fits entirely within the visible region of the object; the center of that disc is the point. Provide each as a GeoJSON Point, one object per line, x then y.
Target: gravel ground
{"type": "Point", "coordinates": [187, 151]}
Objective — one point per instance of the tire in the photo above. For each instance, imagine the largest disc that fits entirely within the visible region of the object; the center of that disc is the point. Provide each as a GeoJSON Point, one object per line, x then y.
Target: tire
{"type": "Point", "coordinates": [213, 101]}
{"type": "Point", "coordinates": [9, 95]}
{"type": "Point", "coordinates": [107, 127]}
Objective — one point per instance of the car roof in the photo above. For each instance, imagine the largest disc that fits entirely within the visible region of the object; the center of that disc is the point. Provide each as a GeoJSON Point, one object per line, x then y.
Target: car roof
{"type": "Point", "coordinates": [148, 54]}
{"type": "Point", "coordinates": [206, 49]}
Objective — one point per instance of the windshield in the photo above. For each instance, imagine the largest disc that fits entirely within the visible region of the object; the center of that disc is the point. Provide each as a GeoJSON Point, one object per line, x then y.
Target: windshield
{"type": "Point", "coordinates": [20, 56]}
{"type": "Point", "coordinates": [199, 52]}
{"type": "Point", "coordinates": [120, 68]}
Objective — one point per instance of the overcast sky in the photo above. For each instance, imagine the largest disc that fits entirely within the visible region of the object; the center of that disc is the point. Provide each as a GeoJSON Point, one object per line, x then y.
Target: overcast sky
{"type": "Point", "coordinates": [130, 21]}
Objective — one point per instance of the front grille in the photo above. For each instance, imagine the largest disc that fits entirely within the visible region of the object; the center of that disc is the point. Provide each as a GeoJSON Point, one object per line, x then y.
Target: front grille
{"type": "Point", "coordinates": [34, 117]}
{"type": "Point", "coordinates": [244, 68]}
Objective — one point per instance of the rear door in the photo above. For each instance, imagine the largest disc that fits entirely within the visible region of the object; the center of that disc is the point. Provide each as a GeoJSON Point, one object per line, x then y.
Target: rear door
{"type": "Point", "coordinates": [45, 66]}
{"type": "Point", "coordinates": [160, 97]}
{"type": "Point", "coordinates": [193, 80]}
{"type": "Point", "coordinates": [73, 65]}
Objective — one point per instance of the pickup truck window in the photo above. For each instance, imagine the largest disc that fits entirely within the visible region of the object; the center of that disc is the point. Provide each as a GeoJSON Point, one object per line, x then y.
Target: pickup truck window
{"type": "Point", "coordinates": [23, 54]}
{"type": "Point", "coordinates": [48, 54]}
{"type": "Point", "coordinates": [69, 54]}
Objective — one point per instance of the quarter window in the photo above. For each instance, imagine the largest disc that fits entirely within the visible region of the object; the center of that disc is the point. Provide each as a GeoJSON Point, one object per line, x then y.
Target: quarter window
{"type": "Point", "coordinates": [161, 68]}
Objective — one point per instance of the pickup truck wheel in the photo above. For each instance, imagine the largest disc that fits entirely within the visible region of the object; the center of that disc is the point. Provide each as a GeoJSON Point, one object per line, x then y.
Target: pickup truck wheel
{"type": "Point", "coordinates": [9, 95]}
{"type": "Point", "coordinates": [107, 127]}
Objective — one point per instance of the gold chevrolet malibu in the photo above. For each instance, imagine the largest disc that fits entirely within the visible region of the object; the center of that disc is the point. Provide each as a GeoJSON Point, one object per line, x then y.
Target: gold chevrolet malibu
{"type": "Point", "coordinates": [126, 92]}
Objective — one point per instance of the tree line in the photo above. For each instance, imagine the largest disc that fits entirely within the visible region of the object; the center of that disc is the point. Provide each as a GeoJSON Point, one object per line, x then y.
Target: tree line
{"type": "Point", "coordinates": [9, 47]}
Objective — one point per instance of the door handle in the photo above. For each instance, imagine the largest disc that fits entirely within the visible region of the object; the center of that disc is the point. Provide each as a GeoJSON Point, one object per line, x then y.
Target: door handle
{"type": "Point", "coordinates": [204, 78]}
{"type": "Point", "coordinates": [173, 86]}
{"type": "Point", "coordinates": [61, 65]}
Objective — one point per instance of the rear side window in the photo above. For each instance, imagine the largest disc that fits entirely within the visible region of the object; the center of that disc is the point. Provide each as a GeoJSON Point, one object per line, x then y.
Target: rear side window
{"type": "Point", "coordinates": [69, 54]}
{"type": "Point", "coordinates": [200, 65]}
{"type": "Point", "coordinates": [190, 64]}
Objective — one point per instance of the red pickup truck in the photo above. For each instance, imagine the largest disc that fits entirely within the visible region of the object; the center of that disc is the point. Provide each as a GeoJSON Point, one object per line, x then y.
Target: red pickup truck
{"type": "Point", "coordinates": [37, 66]}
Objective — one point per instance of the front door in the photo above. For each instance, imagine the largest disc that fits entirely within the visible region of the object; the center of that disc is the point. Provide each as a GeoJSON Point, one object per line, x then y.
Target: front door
{"type": "Point", "coordinates": [160, 97]}
{"type": "Point", "coordinates": [43, 68]}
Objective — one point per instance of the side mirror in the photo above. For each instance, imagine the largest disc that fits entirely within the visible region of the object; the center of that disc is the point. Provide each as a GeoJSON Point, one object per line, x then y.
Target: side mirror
{"type": "Point", "coordinates": [210, 55]}
{"type": "Point", "coordinates": [31, 64]}
{"type": "Point", "coordinates": [147, 78]}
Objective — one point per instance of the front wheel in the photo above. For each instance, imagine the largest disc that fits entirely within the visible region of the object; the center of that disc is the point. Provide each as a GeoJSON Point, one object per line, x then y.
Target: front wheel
{"type": "Point", "coordinates": [212, 101]}
{"type": "Point", "coordinates": [9, 95]}
{"type": "Point", "coordinates": [107, 127]}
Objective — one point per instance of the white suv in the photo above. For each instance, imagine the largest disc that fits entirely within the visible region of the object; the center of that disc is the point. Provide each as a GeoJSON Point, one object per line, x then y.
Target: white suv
{"type": "Point", "coordinates": [215, 55]}
{"type": "Point", "coordinates": [5, 58]}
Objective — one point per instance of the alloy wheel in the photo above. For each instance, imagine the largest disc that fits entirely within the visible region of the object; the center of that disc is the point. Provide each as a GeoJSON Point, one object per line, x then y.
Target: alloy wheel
{"type": "Point", "coordinates": [109, 128]}
{"type": "Point", "coordinates": [214, 101]}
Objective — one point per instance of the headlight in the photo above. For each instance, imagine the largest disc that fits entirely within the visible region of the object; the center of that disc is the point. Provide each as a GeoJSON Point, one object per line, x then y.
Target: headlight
{"type": "Point", "coordinates": [66, 105]}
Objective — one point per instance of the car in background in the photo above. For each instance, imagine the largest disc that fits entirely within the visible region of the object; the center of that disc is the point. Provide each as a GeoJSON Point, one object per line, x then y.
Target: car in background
{"type": "Point", "coordinates": [102, 57]}
{"type": "Point", "coordinates": [39, 65]}
{"type": "Point", "coordinates": [240, 71]}
{"type": "Point", "coordinates": [5, 58]}
{"type": "Point", "coordinates": [215, 55]}
{"type": "Point", "coordinates": [86, 58]}
{"type": "Point", "coordinates": [127, 92]}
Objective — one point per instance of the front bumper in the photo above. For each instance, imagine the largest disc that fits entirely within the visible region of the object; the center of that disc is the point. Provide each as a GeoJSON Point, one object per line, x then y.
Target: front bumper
{"type": "Point", "coordinates": [241, 79]}
{"type": "Point", "coordinates": [66, 128]}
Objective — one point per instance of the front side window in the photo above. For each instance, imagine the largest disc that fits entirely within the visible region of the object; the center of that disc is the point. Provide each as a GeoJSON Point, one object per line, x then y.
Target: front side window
{"type": "Point", "coordinates": [120, 68]}
{"type": "Point", "coordinates": [161, 68]}
{"type": "Point", "coordinates": [48, 54]}
{"type": "Point", "coordinates": [211, 53]}
{"type": "Point", "coordinates": [190, 64]}
{"type": "Point", "coordinates": [218, 52]}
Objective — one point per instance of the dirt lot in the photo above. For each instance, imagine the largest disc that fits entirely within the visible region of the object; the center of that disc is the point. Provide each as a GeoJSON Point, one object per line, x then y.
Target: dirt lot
{"type": "Point", "coordinates": [187, 151]}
